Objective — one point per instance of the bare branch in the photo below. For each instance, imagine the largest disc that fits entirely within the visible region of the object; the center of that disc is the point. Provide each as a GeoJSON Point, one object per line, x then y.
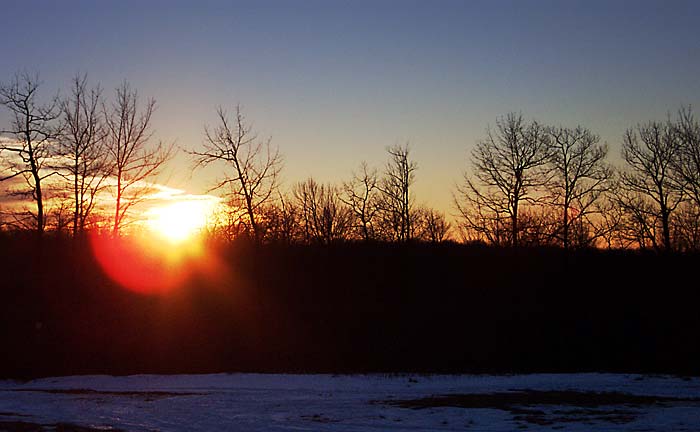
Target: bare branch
{"type": "Point", "coordinates": [33, 129]}
{"type": "Point", "coordinates": [252, 165]}
{"type": "Point", "coordinates": [131, 160]}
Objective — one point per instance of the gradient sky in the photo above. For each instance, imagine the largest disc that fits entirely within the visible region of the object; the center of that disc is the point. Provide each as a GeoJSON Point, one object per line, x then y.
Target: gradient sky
{"type": "Point", "coordinates": [336, 82]}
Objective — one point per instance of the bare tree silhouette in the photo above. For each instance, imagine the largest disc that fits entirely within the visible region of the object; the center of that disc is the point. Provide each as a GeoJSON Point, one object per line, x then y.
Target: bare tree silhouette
{"type": "Point", "coordinates": [255, 166]}
{"type": "Point", "coordinates": [324, 217]}
{"type": "Point", "coordinates": [281, 220]}
{"type": "Point", "coordinates": [361, 194]}
{"type": "Point", "coordinates": [649, 189]}
{"type": "Point", "coordinates": [580, 175]}
{"type": "Point", "coordinates": [687, 169]}
{"type": "Point", "coordinates": [83, 146]}
{"type": "Point", "coordinates": [508, 168]}
{"type": "Point", "coordinates": [33, 130]}
{"type": "Point", "coordinates": [687, 164]}
{"type": "Point", "coordinates": [132, 161]}
{"type": "Point", "coordinates": [432, 225]}
{"type": "Point", "coordinates": [397, 201]}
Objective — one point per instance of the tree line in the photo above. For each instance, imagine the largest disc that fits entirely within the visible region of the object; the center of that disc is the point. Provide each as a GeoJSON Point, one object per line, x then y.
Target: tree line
{"type": "Point", "coordinates": [373, 204]}
{"type": "Point", "coordinates": [526, 183]}
{"type": "Point", "coordinates": [532, 184]}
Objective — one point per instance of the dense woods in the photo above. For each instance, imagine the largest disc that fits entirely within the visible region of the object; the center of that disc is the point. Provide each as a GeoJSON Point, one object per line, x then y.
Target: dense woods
{"type": "Point", "coordinates": [356, 307]}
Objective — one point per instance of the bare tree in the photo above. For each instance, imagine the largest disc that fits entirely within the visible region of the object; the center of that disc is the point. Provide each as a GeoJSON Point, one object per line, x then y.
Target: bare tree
{"type": "Point", "coordinates": [649, 188]}
{"type": "Point", "coordinates": [59, 217]}
{"type": "Point", "coordinates": [508, 168]}
{"type": "Point", "coordinates": [361, 194]}
{"type": "Point", "coordinates": [83, 147]}
{"type": "Point", "coordinates": [612, 221]}
{"type": "Point", "coordinates": [324, 217]}
{"type": "Point", "coordinates": [225, 223]}
{"type": "Point", "coordinates": [255, 166]}
{"type": "Point", "coordinates": [281, 220]}
{"type": "Point", "coordinates": [479, 222]}
{"type": "Point", "coordinates": [537, 226]}
{"type": "Point", "coordinates": [396, 199]}
{"type": "Point", "coordinates": [638, 225]}
{"type": "Point", "coordinates": [432, 225]}
{"type": "Point", "coordinates": [133, 162]}
{"type": "Point", "coordinates": [580, 175]}
{"type": "Point", "coordinates": [686, 228]}
{"type": "Point", "coordinates": [687, 160]}
{"type": "Point", "coordinates": [33, 130]}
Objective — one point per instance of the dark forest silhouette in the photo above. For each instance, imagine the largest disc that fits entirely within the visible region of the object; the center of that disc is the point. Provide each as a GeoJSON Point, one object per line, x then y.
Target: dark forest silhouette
{"type": "Point", "coordinates": [354, 307]}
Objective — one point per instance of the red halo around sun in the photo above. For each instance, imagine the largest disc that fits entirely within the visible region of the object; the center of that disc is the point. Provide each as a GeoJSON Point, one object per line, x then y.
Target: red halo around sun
{"type": "Point", "coordinates": [142, 265]}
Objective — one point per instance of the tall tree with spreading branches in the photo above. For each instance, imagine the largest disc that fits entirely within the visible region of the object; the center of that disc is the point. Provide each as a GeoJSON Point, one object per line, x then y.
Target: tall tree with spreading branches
{"type": "Point", "coordinates": [133, 161]}
{"type": "Point", "coordinates": [649, 184]}
{"type": "Point", "coordinates": [31, 140]}
{"type": "Point", "coordinates": [509, 167]}
{"type": "Point", "coordinates": [397, 201]}
{"type": "Point", "coordinates": [83, 148]}
{"type": "Point", "coordinates": [687, 161]}
{"type": "Point", "coordinates": [252, 165]}
{"type": "Point", "coordinates": [580, 175]}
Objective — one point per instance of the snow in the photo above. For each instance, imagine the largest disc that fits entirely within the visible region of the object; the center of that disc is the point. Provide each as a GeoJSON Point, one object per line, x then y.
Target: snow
{"type": "Point", "coordinates": [343, 403]}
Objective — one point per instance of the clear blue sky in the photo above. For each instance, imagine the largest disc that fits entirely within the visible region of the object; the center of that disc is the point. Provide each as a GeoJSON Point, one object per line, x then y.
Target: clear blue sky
{"type": "Point", "coordinates": [336, 82]}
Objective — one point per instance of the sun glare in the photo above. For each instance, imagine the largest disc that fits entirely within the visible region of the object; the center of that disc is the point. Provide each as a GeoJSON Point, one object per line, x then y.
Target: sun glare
{"type": "Point", "coordinates": [165, 255]}
{"type": "Point", "coordinates": [179, 221]}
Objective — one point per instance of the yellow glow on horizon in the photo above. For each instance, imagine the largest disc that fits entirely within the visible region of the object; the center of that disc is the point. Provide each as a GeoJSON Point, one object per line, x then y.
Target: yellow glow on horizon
{"type": "Point", "coordinates": [179, 221]}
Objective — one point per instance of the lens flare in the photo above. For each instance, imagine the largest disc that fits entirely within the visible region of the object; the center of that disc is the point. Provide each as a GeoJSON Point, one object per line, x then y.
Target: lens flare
{"type": "Point", "coordinates": [147, 265]}
{"type": "Point", "coordinates": [164, 255]}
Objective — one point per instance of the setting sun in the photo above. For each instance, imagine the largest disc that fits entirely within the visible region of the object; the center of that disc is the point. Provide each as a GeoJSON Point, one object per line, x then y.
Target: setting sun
{"type": "Point", "coordinates": [179, 221]}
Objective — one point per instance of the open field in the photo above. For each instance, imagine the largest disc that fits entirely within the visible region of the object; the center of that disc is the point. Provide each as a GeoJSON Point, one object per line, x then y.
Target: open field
{"type": "Point", "coordinates": [399, 402]}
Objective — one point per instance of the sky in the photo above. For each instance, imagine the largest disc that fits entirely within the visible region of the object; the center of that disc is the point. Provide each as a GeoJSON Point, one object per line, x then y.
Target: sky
{"type": "Point", "coordinates": [334, 83]}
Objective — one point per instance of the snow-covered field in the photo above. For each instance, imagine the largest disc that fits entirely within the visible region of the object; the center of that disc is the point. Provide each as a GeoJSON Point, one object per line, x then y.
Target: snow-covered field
{"type": "Point", "coordinates": [275, 402]}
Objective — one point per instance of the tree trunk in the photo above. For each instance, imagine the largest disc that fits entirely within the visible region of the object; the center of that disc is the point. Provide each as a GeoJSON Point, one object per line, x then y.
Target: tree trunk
{"type": "Point", "coordinates": [117, 207]}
